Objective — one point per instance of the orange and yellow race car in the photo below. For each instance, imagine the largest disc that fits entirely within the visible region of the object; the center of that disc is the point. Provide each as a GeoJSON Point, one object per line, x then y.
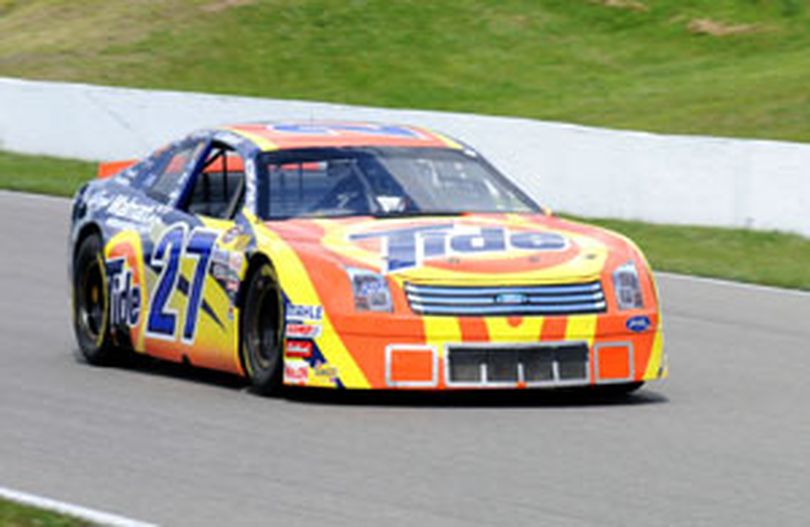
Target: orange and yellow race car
{"type": "Point", "coordinates": [353, 255]}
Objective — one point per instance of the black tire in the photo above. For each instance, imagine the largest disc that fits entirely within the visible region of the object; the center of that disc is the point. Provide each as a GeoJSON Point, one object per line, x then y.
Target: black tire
{"type": "Point", "coordinates": [262, 335]}
{"type": "Point", "coordinates": [90, 303]}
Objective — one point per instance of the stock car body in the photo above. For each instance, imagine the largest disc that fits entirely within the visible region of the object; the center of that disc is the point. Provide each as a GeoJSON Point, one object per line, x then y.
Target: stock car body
{"type": "Point", "coordinates": [353, 255]}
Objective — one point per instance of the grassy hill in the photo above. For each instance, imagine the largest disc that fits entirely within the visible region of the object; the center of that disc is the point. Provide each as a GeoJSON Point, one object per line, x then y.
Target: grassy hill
{"type": "Point", "coordinates": [719, 67]}
{"type": "Point", "coordinates": [722, 67]}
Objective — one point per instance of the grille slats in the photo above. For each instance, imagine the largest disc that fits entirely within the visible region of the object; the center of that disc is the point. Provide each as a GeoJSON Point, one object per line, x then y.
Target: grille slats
{"type": "Point", "coordinates": [563, 299]}
{"type": "Point", "coordinates": [561, 364]}
{"type": "Point", "coordinates": [589, 287]}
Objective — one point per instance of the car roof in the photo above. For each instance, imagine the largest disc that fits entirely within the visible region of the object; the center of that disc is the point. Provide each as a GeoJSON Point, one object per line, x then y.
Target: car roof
{"type": "Point", "coordinates": [270, 136]}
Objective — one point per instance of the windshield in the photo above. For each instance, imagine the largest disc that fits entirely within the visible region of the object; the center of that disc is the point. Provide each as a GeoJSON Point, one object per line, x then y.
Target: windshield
{"type": "Point", "coordinates": [382, 182]}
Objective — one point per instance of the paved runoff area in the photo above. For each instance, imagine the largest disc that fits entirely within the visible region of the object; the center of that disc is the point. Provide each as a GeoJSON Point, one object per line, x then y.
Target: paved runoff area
{"type": "Point", "coordinates": [724, 441]}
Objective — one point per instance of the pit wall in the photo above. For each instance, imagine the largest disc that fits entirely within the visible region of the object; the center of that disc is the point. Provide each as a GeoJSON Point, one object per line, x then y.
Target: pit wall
{"type": "Point", "coordinates": [581, 170]}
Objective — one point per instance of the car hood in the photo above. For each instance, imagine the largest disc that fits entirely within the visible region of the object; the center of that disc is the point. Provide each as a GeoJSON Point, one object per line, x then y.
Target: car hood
{"type": "Point", "coordinates": [469, 249]}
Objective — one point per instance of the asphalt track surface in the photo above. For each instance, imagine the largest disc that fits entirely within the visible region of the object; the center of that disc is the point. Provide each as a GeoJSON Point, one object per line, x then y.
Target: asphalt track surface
{"type": "Point", "coordinates": [724, 441]}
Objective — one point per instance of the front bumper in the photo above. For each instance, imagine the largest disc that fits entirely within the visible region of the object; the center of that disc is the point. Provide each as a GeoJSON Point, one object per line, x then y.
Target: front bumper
{"type": "Point", "coordinates": [447, 353]}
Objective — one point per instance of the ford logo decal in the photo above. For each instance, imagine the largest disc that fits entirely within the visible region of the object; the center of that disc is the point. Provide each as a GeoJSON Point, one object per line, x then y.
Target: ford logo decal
{"type": "Point", "coordinates": [638, 324]}
{"type": "Point", "coordinates": [511, 298]}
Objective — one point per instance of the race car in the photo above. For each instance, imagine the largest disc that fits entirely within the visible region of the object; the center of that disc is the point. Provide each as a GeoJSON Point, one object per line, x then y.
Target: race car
{"type": "Point", "coordinates": [353, 255]}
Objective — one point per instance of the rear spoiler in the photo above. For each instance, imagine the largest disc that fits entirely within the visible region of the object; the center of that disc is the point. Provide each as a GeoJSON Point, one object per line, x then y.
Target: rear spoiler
{"type": "Point", "coordinates": [111, 168]}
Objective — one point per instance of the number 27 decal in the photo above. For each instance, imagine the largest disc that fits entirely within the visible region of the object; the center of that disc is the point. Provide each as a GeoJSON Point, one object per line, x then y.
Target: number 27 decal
{"type": "Point", "coordinates": [172, 247]}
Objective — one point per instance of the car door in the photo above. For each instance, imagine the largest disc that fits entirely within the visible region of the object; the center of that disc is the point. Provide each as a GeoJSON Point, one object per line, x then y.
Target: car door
{"type": "Point", "coordinates": [197, 265]}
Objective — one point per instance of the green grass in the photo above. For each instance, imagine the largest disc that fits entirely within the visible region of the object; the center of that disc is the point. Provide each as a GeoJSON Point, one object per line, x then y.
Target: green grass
{"type": "Point", "coordinates": [769, 258]}
{"type": "Point", "coordinates": [15, 515]}
{"type": "Point", "coordinates": [43, 175]}
{"type": "Point", "coordinates": [580, 61]}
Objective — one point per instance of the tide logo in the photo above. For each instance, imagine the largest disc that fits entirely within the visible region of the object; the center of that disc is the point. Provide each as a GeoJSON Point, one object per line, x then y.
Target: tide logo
{"type": "Point", "coordinates": [410, 247]}
{"type": "Point", "coordinates": [125, 297]}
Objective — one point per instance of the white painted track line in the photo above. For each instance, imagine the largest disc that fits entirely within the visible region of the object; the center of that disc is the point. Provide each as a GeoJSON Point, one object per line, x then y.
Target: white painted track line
{"type": "Point", "coordinates": [82, 513]}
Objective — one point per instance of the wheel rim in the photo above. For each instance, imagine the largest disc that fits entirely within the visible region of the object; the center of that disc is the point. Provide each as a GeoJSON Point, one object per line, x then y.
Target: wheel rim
{"type": "Point", "coordinates": [91, 300]}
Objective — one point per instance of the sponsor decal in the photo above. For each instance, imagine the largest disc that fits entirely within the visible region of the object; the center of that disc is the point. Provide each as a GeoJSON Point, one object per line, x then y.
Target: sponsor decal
{"type": "Point", "coordinates": [511, 299]}
{"type": "Point", "coordinates": [231, 234]}
{"type": "Point", "coordinates": [129, 208]}
{"type": "Point", "coordinates": [225, 268]}
{"type": "Point", "coordinates": [300, 349]}
{"type": "Point", "coordinates": [296, 372]}
{"type": "Point", "coordinates": [237, 238]}
{"type": "Point", "coordinates": [303, 313]}
{"type": "Point", "coordinates": [395, 132]}
{"type": "Point", "coordinates": [326, 370]}
{"type": "Point", "coordinates": [410, 247]}
{"type": "Point", "coordinates": [638, 324]}
{"type": "Point", "coordinates": [125, 297]}
{"type": "Point", "coordinates": [305, 331]}
{"type": "Point", "coordinates": [97, 201]}
{"type": "Point", "coordinates": [235, 261]}
{"type": "Point", "coordinates": [220, 256]}
{"type": "Point", "coordinates": [219, 271]}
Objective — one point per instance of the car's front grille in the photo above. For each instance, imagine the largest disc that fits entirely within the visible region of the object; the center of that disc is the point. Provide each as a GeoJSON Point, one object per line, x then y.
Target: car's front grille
{"type": "Point", "coordinates": [558, 299]}
{"type": "Point", "coordinates": [535, 364]}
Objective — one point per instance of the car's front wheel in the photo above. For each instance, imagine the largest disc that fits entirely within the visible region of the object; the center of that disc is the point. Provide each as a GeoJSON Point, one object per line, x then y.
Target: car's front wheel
{"type": "Point", "coordinates": [262, 330]}
{"type": "Point", "coordinates": [90, 303]}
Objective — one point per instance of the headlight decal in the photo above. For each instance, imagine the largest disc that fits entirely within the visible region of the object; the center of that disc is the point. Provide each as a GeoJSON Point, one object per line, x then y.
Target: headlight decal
{"type": "Point", "coordinates": [371, 292]}
{"type": "Point", "coordinates": [627, 287]}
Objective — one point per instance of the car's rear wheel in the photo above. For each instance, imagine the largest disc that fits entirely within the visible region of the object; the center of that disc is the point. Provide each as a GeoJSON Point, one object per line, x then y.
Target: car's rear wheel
{"type": "Point", "coordinates": [90, 303]}
{"type": "Point", "coordinates": [262, 330]}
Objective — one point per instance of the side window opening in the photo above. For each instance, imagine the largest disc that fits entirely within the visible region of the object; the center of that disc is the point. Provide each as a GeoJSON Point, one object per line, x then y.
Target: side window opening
{"type": "Point", "coordinates": [219, 187]}
{"type": "Point", "coordinates": [166, 185]}
{"type": "Point", "coordinates": [142, 174]}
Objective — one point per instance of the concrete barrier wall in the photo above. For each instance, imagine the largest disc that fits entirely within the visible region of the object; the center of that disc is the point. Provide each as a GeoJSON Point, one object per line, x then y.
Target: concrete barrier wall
{"type": "Point", "coordinates": [581, 170]}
